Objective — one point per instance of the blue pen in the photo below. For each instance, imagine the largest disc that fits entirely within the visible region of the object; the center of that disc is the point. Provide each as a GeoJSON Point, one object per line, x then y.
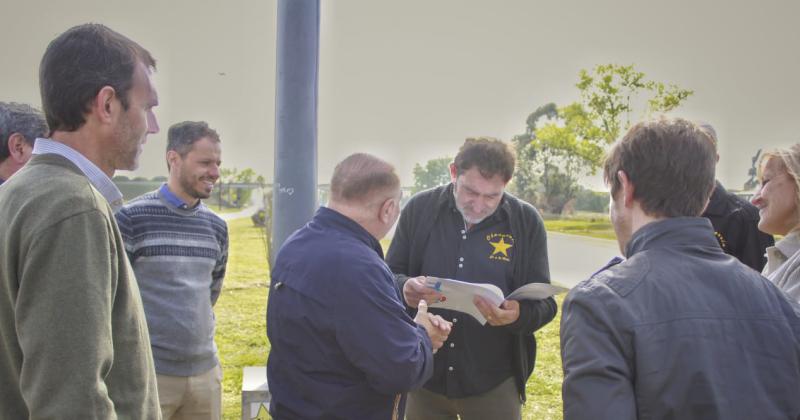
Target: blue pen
{"type": "Point", "coordinates": [437, 287]}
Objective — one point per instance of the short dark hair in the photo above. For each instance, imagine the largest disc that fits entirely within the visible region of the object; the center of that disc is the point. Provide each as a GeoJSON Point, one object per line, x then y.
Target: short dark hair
{"type": "Point", "coordinates": [491, 157]}
{"type": "Point", "coordinates": [78, 64]}
{"type": "Point", "coordinates": [359, 176]}
{"type": "Point", "coordinates": [670, 163]}
{"type": "Point", "coordinates": [181, 136]}
{"type": "Point", "coordinates": [23, 119]}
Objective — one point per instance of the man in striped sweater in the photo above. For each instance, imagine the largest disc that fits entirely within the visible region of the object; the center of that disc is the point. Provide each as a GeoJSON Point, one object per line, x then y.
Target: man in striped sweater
{"type": "Point", "coordinates": [178, 249]}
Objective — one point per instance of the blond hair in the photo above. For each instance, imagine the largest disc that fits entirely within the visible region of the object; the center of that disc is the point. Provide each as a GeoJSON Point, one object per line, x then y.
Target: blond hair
{"type": "Point", "coordinates": [791, 161]}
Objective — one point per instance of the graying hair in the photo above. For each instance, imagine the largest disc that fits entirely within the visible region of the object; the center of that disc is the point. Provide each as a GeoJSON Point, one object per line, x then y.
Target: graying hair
{"type": "Point", "coordinates": [709, 130]}
{"type": "Point", "coordinates": [23, 119]}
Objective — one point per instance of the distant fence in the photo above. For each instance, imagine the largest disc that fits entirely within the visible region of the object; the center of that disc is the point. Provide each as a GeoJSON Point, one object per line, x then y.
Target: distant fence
{"type": "Point", "coordinates": [132, 189]}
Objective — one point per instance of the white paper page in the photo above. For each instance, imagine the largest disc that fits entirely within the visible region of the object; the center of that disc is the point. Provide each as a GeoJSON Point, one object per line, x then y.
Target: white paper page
{"type": "Point", "coordinates": [536, 291]}
{"type": "Point", "coordinates": [458, 295]}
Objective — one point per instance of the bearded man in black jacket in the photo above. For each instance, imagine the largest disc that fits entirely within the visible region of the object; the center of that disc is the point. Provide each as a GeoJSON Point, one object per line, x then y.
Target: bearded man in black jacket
{"type": "Point", "coordinates": [473, 230]}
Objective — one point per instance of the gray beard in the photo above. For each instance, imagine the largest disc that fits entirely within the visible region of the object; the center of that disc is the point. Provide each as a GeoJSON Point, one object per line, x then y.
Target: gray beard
{"type": "Point", "coordinates": [467, 220]}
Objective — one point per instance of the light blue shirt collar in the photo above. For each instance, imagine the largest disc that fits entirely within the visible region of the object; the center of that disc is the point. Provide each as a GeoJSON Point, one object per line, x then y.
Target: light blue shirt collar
{"type": "Point", "coordinates": [98, 178]}
{"type": "Point", "coordinates": [171, 198]}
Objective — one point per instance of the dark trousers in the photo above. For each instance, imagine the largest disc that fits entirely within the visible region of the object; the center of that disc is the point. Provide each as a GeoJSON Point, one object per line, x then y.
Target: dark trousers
{"type": "Point", "coordinates": [500, 403]}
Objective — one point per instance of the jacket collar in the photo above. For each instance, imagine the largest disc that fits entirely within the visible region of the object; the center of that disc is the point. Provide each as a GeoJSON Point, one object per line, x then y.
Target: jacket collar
{"type": "Point", "coordinates": [333, 219]}
{"type": "Point", "coordinates": [673, 231]}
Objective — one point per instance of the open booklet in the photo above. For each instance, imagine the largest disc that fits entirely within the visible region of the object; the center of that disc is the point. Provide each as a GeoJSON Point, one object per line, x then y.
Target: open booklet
{"type": "Point", "coordinates": [457, 295]}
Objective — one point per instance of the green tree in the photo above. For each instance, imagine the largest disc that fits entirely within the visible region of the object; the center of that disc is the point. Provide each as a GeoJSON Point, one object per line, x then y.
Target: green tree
{"type": "Point", "coordinates": [565, 151]}
{"type": "Point", "coordinates": [593, 201]}
{"type": "Point", "coordinates": [553, 155]}
{"type": "Point", "coordinates": [610, 93]}
{"type": "Point", "coordinates": [238, 196]}
{"type": "Point", "coordinates": [526, 180]}
{"type": "Point", "coordinates": [246, 176]}
{"type": "Point", "coordinates": [436, 172]}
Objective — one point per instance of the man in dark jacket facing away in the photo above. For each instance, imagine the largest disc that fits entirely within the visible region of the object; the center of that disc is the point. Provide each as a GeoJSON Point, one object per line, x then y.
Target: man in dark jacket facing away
{"type": "Point", "coordinates": [472, 230]}
{"type": "Point", "coordinates": [680, 330]}
{"type": "Point", "coordinates": [342, 344]}
{"type": "Point", "coordinates": [735, 222]}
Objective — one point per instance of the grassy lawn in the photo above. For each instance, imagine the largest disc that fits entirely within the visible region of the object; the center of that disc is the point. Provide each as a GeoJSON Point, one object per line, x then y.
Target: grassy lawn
{"type": "Point", "coordinates": [241, 312]}
{"type": "Point", "coordinates": [596, 225]}
{"type": "Point", "coordinates": [241, 329]}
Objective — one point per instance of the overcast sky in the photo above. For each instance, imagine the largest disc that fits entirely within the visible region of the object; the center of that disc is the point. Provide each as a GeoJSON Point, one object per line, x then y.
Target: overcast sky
{"type": "Point", "coordinates": [410, 80]}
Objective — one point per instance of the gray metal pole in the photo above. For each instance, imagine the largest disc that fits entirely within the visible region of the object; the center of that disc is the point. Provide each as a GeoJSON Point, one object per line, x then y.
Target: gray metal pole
{"type": "Point", "coordinates": [295, 186]}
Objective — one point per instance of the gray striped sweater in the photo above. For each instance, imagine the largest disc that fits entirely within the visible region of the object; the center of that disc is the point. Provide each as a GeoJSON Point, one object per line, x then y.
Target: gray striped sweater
{"type": "Point", "coordinates": [179, 258]}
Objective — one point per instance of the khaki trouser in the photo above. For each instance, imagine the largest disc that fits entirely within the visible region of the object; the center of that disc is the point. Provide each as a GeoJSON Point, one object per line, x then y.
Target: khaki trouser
{"type": "Point", "coordinates": [500, 403]}
{"type": "Point", "coordinates": [191, 397]}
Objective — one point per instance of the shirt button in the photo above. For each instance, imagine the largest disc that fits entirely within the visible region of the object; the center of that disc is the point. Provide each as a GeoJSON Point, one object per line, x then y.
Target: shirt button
{"type": "Point", "coordinates": [450, 368]}
{"type": "Point", "coordinates": [452, 345]}
{"type": "Point", "coordinates": [464, 237]}
{"type": "Point", "coordinates": [461, 266]}
{"type": "Point", "coordinates": [463, 231]}
{"type": "Point", "coordinates": [455, 320]}
{"type": "Point", "coordinates": [461, 259]}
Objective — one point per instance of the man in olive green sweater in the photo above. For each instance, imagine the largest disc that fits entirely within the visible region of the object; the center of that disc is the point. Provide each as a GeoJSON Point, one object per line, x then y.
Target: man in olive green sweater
{"type": "Point", "coordinates": [73, 336]}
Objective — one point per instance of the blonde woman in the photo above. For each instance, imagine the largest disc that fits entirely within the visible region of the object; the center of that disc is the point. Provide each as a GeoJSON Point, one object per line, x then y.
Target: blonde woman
{"type": "Point", "coordinates": [778, 201]}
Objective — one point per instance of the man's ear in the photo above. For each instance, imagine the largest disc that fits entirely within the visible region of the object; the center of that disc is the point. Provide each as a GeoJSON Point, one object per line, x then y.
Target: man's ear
{"type": "Point", "coordinates": [106, 104]}
{"type": "Point", "coordinates": [16, 147]}
{"type": "Point", "coordinates": [386, 210]}
{"type": "Point", "coordinates": [627, 188]}
{"type": "Point", "coordinates": [173, 158]}
{"type": "Point", "coordinates": [453, 172]}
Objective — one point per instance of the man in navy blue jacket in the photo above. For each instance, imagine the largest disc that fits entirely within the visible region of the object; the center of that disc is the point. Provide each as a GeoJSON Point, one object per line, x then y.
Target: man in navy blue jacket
{"type": "Point", "coordinates": [680, 329]}
{"type": "Point", "coordinates": [342, 344]}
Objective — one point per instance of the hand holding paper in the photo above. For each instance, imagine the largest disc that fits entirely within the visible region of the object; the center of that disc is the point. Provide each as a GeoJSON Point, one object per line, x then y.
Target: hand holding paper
{"type": "Point", "coordinates": [463, 296]}
{"type": "Point", "coordinates": [497, 316]}
{"type": "Point", "coordinates": [416, 289]}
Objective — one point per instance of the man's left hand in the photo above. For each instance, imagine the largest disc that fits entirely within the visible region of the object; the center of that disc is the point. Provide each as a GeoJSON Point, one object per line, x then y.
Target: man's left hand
{"type": "Point", "coordinates": [505, 314]}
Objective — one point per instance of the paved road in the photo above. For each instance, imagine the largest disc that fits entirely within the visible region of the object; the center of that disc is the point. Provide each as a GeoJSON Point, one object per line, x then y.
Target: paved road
{"type": "Point", "coordinates": [246, 212]}
{"type": "Point", "coordinates": [573, 258]}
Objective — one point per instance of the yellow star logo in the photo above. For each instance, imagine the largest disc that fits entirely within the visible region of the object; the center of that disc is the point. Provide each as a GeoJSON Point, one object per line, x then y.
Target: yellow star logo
{"type": "Point", "coordinates": [262, 414]}
{"type": "Point", "coordinates": [500, 247]}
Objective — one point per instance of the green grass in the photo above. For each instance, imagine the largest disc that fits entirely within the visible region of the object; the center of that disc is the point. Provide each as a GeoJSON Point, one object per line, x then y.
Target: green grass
{"type": "Point", "coordinates": [241, 312]}
{"type": "Point", "coordinates": [594, 225]}
{"type": "Point", "coordinates": [241, 329]}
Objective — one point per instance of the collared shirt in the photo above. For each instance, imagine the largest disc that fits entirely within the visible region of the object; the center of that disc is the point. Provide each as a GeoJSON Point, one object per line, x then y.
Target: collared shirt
{"type": "Point", "coordinates": [481, 254]}
{"type": "Point", "coordinates": [173, 199]}
{"type": "Point", "coordinates": [342, 344]}
{"type": "Point", "coordinates": [97, 177]}
{"type": "Point", "coordinates": [783, 265]}
{"type": "Point", "coordinates": [780, 253]}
